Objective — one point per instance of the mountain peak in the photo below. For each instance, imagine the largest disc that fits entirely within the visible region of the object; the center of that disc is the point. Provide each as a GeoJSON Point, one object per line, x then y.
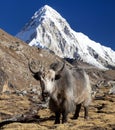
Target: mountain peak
{"type": "Point", "coordinates": [46, 11]}
{"type": "Point", "coordinates": [47, 7]}
{"type": "Point", "coordinates": [48, 29]}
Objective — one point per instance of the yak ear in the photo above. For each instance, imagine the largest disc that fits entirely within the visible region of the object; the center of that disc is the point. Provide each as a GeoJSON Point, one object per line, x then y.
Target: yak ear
{"type": "Point", "coordinates": [57, 76]}
{"type": "Point", "coordinates": [37, 76]}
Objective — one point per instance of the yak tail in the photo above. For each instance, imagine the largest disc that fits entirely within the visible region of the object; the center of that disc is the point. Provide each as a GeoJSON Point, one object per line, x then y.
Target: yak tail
{"type": "Point", "coordinates": [89, 90]}
{"type": "Point", "coordinates": [87, 82]}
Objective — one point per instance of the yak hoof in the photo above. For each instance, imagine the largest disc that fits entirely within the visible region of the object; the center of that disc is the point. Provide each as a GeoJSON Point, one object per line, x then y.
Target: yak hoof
{"type": "Point", "coordinates": [86, 117]}
{"type": "Point", "coordinates": [74, 118]}
{"type": "Point", "coordinates": [57, 122]}
{"type": "Point", "coordinates": [65, 121]}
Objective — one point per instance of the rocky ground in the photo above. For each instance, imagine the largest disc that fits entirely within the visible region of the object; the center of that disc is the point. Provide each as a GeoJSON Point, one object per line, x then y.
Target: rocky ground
{"type": "Point", "coordinates": [102, 114]}
{"type": "Point", "coordinates": [20, 93]}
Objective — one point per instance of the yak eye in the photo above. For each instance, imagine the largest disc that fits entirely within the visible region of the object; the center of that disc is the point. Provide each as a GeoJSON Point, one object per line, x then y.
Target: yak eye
{"type": "Point", "coordinates": [52, 79]}
{"type": "Point", "coordinates": [43, 75]}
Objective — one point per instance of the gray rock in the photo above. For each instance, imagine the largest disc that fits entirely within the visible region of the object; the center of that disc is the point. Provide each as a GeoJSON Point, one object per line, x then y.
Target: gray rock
{"type": "Point", "coordinates": [112, 90]}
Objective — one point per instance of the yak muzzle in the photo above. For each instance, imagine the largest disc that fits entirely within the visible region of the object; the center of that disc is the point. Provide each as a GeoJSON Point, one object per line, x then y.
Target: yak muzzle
{"type": "Point", "coordinates": [45, 96]}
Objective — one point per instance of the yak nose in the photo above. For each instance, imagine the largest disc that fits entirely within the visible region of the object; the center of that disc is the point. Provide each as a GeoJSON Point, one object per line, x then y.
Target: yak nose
{"type": "Point", "coordinates": [45, 96]}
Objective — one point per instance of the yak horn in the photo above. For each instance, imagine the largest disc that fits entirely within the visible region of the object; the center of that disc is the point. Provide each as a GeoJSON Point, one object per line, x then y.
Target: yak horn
{"type": "Point", "coordinates": [58, 66]}
{"type": "Point", "coordinates": [35, 66]}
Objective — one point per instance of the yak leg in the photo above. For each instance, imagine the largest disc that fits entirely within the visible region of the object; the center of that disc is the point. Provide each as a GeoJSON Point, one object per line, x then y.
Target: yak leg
{"type": "Point", "coordinates": [64, 116]}
{"type": "Point", "coordinates": [57, 118]}
{"type": "Point", "coordinates": [86, 108]}
{"type": "Point", "coordinates": [76, 115]}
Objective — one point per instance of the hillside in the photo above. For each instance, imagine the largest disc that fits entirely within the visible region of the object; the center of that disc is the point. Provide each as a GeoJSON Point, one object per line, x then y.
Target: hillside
{"type": "Point", "coordinates": [20, 92]}
{"type": "Point", "coordinates": [15, 56]}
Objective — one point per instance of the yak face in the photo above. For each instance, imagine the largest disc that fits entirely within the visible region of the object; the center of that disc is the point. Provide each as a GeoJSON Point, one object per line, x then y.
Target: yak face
{"type": "Point", "coordinates": [47, 81]}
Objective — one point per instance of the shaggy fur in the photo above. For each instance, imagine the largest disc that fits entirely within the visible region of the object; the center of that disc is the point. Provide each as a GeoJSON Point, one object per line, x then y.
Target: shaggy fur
{"type": "Point", "coordinates": [67, 92]}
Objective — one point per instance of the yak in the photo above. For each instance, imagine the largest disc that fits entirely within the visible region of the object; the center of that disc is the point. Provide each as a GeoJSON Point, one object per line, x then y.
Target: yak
{"type": "Point", "coordinates": [68, 89]}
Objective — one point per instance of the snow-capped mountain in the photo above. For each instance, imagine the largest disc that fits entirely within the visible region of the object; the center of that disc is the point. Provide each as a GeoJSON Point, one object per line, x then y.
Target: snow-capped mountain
{"type": "Point", "coordinates": [48, 29]}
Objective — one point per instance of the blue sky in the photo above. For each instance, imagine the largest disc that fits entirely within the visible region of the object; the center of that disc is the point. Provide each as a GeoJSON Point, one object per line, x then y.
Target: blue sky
{"type": "Point", "coordinates": [95, 18]}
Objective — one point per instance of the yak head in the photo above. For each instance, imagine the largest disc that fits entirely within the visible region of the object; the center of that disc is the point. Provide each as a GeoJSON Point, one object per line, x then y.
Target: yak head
{"type": "Point", "coordinates": [47, 81]}
{"type": "Point", "coordinates": [47, 78]}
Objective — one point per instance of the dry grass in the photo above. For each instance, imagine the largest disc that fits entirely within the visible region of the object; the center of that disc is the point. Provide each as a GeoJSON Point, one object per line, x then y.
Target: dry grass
{"type": "Point", "coordinates": [100, 119]}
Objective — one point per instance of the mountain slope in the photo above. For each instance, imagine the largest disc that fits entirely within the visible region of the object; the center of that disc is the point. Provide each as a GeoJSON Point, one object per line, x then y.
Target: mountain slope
{"type": "Point", "coordinates": [15, 57]}
{"type": "Point", "coordinates": [48, 29]}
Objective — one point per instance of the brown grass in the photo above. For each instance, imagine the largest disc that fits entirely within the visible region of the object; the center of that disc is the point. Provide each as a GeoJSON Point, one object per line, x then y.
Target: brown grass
{"type": "Point", "coordinates": [100, 119]}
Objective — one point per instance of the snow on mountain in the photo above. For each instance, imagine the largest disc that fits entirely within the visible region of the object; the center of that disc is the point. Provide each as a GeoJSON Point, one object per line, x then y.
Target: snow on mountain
{"type": "Point", "coordinates": [48, 29]}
